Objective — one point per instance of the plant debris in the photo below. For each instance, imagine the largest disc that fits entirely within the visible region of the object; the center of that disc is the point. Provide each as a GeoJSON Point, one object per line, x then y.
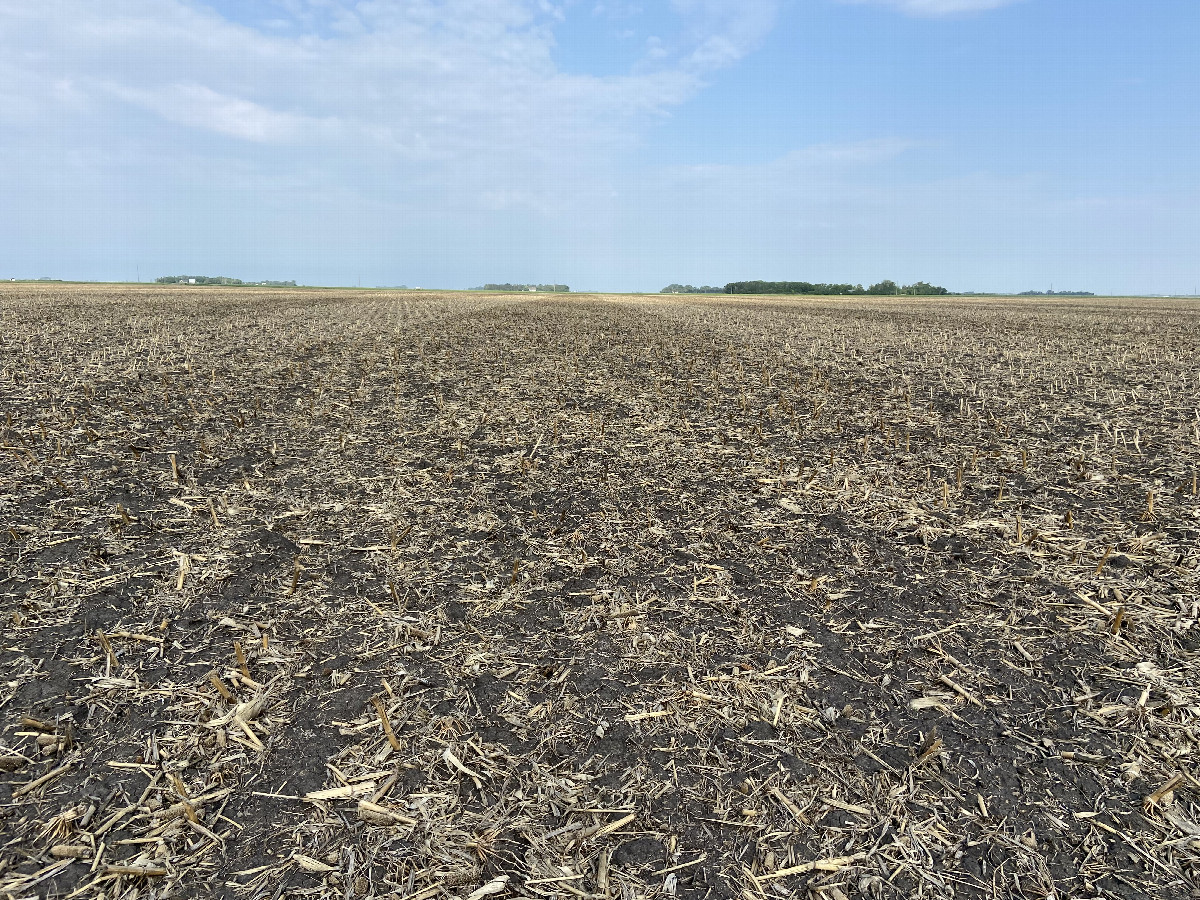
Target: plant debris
{"type": "Point", "coordinates": [414, 595]}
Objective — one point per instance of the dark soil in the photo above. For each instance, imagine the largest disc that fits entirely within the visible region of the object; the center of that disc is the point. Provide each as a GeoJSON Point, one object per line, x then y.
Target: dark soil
{"type": "Point", "coordinates": [659, 598]}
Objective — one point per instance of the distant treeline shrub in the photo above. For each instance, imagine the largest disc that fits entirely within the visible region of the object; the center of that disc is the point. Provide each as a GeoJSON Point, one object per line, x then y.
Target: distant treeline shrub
{"type": "Point", "coordinates": [540, 288]}
{"type": "Point", "coordinates": [1056, 294]}
{"type": "Point", "coordinates": [198, 279]}
{"type": "Point", "coordinates": [883, 288]}
{"type": "Point", "coordinates": [689, 289]}
{"type": "Point", "coordinates": [218, 279]}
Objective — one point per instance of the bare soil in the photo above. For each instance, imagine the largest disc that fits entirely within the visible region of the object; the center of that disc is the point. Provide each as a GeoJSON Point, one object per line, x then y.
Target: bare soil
{"type": "Point", "coordinates": [407, 595]}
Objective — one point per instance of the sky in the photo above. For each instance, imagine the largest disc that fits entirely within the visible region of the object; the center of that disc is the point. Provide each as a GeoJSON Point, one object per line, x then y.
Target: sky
{"type": "Point", "coordinates": [616, 145]}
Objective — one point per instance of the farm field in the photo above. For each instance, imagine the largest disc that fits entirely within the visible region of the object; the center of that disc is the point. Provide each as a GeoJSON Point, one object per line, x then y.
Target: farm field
{"type": "Point", "coordinates": [416, 595]}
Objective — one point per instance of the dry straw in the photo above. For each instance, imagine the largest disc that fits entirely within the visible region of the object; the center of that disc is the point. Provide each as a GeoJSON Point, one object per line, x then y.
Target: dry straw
{"type": "Point", "coordinates": [407, 595]}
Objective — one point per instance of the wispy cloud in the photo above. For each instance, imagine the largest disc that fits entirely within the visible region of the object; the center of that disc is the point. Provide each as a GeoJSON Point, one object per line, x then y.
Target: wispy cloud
{"type": "Point", "coordinates": [330, 126]}
{"type": "Point", "coordinates": [197, 106]}
{"type": "Point", "coordinates": [396, 96]}
{"type": "Point", "coordinates": [431, 75]}
{"type": "Point", "coordinates": [443, 140]}
{"type": "Point", "coordinates": [722, 32]}
{"type": "Point", "coordinates": [935, 8]}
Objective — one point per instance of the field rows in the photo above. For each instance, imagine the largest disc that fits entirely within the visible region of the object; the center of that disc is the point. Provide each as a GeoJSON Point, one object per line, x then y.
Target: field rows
{"type": "Point", "coordinates": [427, 596]}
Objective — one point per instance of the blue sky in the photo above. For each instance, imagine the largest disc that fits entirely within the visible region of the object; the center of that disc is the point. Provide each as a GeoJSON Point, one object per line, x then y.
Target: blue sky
{"type": "Point", "coordinates": [609, 144]}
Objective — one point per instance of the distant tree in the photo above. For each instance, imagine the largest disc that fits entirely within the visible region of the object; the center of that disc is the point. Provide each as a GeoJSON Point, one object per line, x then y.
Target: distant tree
{"type": "Point", "coordinates": [792, 287]}
{"type": "Point", "coordinates": [883, 288]}
{"type": "Point", "coordinates": [523, 288]}
{"type": "Point", "coordinates": [689, 289]}
{"type": "Point", "coordinates": [198, 279]}
{"type": "Point", "coordinates": [923, 288]}
{"type": "Point", "coordinates": [1056, 294]}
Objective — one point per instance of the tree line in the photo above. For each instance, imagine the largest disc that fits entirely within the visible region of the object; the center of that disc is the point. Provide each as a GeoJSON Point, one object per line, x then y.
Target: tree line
{"type": "Point", "coordinates": [689, 289]}
{"type": "Point", "coordinates": [885, 288]}
{"type": "Point", "coordinates": [539, 288]}
{"type": "Point", "coordinates": [218, 279]}
{"type": "Point", "coordinates": [1056, 294]}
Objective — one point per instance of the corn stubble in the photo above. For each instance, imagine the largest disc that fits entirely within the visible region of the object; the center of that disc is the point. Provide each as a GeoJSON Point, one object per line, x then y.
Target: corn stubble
{"type": "Point", "coordinates": [419, 596]}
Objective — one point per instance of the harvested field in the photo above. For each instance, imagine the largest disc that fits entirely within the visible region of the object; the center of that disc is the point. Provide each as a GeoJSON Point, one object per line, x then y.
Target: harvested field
{"type": "Point", "coordinates": [319, 594]}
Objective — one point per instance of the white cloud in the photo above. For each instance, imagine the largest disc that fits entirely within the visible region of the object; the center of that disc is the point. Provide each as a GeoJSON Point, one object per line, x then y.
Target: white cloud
{"type": "Point", "coordinates": [198, 106]}
{"type": "Point", "coordinates": [935, 8]}
{"type": "Point", "coordinates": [723, 31]}
{"type": "Point", "coordinates": [418, 79]}
{"type": "Point", "coordinates": [319, 129]}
